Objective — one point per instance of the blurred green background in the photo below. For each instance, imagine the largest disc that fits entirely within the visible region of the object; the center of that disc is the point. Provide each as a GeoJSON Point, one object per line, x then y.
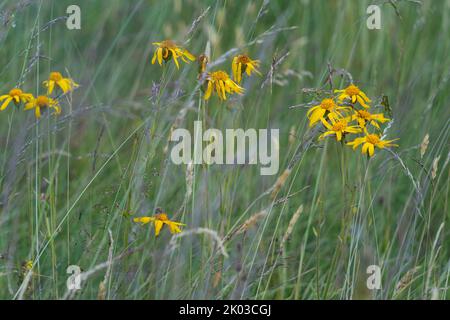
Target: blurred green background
{"type": "Point", "coordinates": [69, 186]}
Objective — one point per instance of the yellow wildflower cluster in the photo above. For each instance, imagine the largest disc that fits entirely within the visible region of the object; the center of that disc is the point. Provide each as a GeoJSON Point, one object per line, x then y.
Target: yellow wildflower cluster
{"type": "Point", "coordinates": [215, 81]}
{"type": "Point", "coordinates": [41, 102]}
{"type": "Point", "coordinates": [347, 113]}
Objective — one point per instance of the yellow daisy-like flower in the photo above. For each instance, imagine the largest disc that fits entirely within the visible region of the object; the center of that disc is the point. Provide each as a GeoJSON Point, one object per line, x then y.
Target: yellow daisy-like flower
{"type": "Point", "coordinates": [159, 220]}
{"type": "Point", "coordinates": [363, 117]}
{"type": "Point", "coordinates": [326, 107]}
{"type": "Point", "coordinates": [16, 95]}
{"type": "Point", "coordinates": [242, 63]}
{"type": "Point", "coordinates": [43, 102]}
{"type": "Point", "coordinates": [222, 84]}
{"type": "Point", "coordinates": [370, 141]}
{"type": "Point", "coordinates": [56, 78]}
{"type": "Point", "coordinates": [338, 127]}
{"type": "Point", "coordinates": [167, 50]}
{"type": "Point", "coordinates": [353, 93]}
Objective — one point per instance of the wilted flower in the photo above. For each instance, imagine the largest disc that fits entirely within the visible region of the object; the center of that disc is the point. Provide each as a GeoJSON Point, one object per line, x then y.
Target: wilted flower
{"type": "Point", "coordinates": [167, 50]}
{"type": "Point", "coordinates": [202, 62]}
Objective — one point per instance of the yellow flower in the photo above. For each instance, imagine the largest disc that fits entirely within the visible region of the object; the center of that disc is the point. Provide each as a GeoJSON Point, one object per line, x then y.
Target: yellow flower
{"type": "Point", "coordinates": [222, 84]}
{"type": "Point", "coordinates": [56, 78]}
{"type": "Point", "coordinates": [242, 63]}
{"type": "Point", "coordinates": [326, 107]}
{"type": "Point", "coordinates": [363, 116]}
{"type": "Point", "coordinates": [16, 95]}
{"type": "Point", "coordinates": [354, 94]}
{"type": "Point", "coordinates": [43, 102]}
{"type": "Point", "coordinates": [370, 142]}
{"type": "Point", "coordinates": [338, 127]}
{"type": "Point", "coordinates": [167, 50]}
{"type": "Point", "coordinates": [159, 220]}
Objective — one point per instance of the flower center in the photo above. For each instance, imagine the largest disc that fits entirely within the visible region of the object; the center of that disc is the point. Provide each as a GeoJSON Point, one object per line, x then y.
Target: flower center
{"type": "Point", "coordinates": [352, 90]}
{"type": "Point", "coordinates": [55, 76]}
{"type": "Point", "coordinates": [339, 126]}
{"type": "Point", "coordinates": [327, 104]}
{"type": "Point", "coordinates": [219, 76]}
{"type": "Point", "coordinates": [15, 92]}
{"type": "Point", "coordinates": [243, 59]}
{"type": "Point", "coordinates": [161, 217]}
{"type": "Point", "coordinates": [42, 101]}
{"type": "Point", "coordinates": [372, 138]}
{"type": "Point", "coordinates": [168, 44]}
{"type": "Point", "coordinates": [364, 114]}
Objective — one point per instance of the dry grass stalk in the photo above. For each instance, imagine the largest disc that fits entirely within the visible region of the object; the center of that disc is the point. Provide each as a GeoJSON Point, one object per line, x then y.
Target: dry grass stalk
{"type": "Point", "coordinates": [434, 168]}
{"type": "Point", "coordinates": [102, 291]}
{"type": "Point", "coordinates": [406, 280]}
{"type": "Point", "coordinates": [424, 145]}
{"type": "Point", "coordinates": [213, 235]}
{"type": "Point", "coordinates": [292, 136]}
{"type": "Point", "coordinates": [290, 227]}
{"type": "Point", "coordinates": [280, 183]}
{"type": "Point", "coordinates": [250, 222]}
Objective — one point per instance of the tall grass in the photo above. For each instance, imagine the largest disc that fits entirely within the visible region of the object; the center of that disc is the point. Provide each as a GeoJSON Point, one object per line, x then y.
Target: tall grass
{"type": "Point", "coordinates": [68, 184]}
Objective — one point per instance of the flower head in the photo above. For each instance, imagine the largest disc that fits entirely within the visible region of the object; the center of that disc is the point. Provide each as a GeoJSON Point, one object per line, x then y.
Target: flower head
{"type": "Point", "coordinates": [338, 127]}
{"type": "Point", "coordinates": [242, 63]}
{"type": "Point", "coordinates": [167, 50]}
{"type": "Point", "coordinates": [43, 102]}
{"type": "Point", "coordinates": [370, 141]}
{"type": "Point", "coordinates": [363, 117]}
{"type": "Point", "coordinates": [159, 220]}
{"type": "Point", "coordinates": [327, 107]}
{"type": "Point", "coordinates": [56, 78]}
{"type": "Point", "coordinates": [222, 84]}
{"type": "Point", "coordinates": [16, 95]}
{"type": "Point", "coordinates": [353, 93]}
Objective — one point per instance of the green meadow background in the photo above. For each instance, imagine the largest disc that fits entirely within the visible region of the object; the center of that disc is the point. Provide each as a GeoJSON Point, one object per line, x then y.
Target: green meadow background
{"type": "Point", "coordinates": [70, 185]}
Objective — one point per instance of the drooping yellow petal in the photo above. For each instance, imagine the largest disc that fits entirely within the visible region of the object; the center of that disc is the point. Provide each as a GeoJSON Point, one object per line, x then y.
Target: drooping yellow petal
{"type": "Point", "coordinates": [143, 220]}
{"type": "Point", "coordinates": [158, 226]}
{"type": "Point", "coordinates": [50, 86]}
{"type": "Point", "coordinates": [176, 61]}
{"type": "Point", "coordinates": [159, 52]}
{"type": "Point", "coordinates": [363, 95]}
{"type": "Point", "coordinates": [316, 116]}
{"type": "Point", "coordinates": [365, 147]}
{"type": "Point", "coordinates": [188, 55]}
{"type": "Point", "coordinates": [5, 104]}
{"type": "Point", "coordinates": [208, 90]}
{"type": "Point", "coordinates": [361, 102]}
{"type": "Point", "coordinates": [371, 150]}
